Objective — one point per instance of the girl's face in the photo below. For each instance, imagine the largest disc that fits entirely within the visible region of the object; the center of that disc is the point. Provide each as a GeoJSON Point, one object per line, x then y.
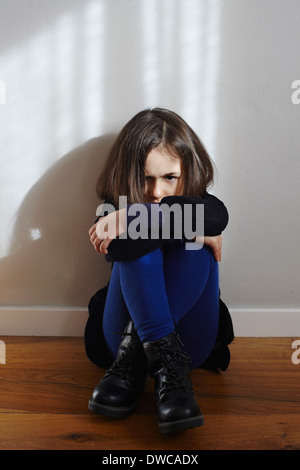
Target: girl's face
{"type": "Point", "coordinates": [163, 175]}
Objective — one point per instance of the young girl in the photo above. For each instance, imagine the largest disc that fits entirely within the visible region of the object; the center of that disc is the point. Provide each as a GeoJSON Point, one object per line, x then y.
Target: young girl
{"type": "Point", "coordinates": [163, 295]}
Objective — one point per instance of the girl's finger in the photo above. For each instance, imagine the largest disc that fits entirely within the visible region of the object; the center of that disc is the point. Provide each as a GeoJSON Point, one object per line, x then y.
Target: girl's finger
{"type": "Point", "coordinates": [104, 245]}
{"type": "Point", "coordinates": [92, 230]}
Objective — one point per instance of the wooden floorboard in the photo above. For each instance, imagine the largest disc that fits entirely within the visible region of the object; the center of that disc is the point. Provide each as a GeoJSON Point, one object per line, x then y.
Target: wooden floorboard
{"type": "Point", "coordinates": [46, 383]}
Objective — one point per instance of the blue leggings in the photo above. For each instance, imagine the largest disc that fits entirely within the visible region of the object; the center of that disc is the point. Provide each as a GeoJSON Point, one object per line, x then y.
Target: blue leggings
{"type": "Point", "coordinates": [167, 289]}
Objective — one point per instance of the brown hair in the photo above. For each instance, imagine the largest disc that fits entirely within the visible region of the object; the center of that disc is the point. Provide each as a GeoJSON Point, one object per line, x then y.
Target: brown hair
{"type": "Point", "coordinates": [123, 172]}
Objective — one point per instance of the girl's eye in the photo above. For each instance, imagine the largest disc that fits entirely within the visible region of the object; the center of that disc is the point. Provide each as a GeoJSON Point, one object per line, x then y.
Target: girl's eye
{"type": "Point", "coordinates": [167, 178]}
{"type": "Point", "coordinates": [170, 177]}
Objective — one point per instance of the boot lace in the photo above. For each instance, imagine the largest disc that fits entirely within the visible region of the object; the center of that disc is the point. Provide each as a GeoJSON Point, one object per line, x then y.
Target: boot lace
{"type": "Point", "coordinates": [172, 379]}
{"type": "Point", "coordinates": [123, 364]}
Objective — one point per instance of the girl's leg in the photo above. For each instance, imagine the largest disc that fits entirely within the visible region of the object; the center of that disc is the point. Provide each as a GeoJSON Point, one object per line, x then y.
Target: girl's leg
{"type": "Point", "coordinates": [192, 282]}
{"type": "Point", "coordinates": [143, 286]}
{"type": "Point", "coordinates": [118, 392]}
{"type": "Point", "coordinates": [137, 287]}
{"type": "Point", "coordinates": [163, 289]}
{"type": "Point", "coordinates": [116, 315]}
{"type": "Point", "coordinates": [191, 279]}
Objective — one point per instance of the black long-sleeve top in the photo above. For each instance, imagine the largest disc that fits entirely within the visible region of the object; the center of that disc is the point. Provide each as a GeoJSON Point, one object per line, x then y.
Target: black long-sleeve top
{"type": "Point", "coordinates": [215, 221]}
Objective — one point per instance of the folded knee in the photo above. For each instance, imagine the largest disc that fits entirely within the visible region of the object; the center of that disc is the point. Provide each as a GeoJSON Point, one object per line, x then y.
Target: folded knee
{"type": "Point", "coordinates": [150, 259]}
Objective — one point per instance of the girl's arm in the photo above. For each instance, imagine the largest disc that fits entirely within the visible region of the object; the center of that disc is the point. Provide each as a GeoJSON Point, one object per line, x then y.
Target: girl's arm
{"type": "Point", "coordinates": [118, 249]}
{"type": "Point", "coordinates": [106, 229]}
{"type": "Point", "coordinates": [215, 213]}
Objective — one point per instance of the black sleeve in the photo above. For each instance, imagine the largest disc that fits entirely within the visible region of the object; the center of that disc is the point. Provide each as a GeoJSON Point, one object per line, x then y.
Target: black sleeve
{"type": "Point", "coordinates": [126, 250]}
{"type": "Point", "coordinates": [215, 213]}
{"type": "Point", "coordinates": [121, 249]}
{"type": "Point", "coordinates": [215, 221]}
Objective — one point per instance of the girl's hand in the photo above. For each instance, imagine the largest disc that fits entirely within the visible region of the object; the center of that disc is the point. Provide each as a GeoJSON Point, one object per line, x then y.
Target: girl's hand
{"type": "Point", "coordinates": [106, 229]}
{"type": "Point", "coordinates": [96, 242]}
{"type": "Point", "coordinates": [215, 243]}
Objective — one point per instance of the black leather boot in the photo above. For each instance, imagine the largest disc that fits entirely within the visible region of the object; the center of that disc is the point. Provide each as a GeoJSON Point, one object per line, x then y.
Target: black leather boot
{"type": "Point", "coordinates": [169, 365]}
{"type": "Point", "coordinates": [118, 392]}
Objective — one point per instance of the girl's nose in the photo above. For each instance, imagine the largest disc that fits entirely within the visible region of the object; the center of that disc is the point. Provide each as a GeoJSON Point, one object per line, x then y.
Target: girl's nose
{"type": "Point", "coordinates": [156, 191]}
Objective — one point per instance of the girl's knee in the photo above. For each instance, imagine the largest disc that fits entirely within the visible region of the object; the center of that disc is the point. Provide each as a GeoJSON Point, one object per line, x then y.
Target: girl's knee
{"type": "Point", "coordinates": [147, 260]}
{"type": "Point", "coordinates": [183, 252]}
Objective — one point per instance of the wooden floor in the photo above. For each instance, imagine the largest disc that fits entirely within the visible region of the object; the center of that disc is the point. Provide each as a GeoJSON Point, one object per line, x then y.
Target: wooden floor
{"type": "Point", "coordinates": [46, 383]}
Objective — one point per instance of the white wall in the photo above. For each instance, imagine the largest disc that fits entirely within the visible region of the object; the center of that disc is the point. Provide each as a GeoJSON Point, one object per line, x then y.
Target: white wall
{"type": "Point", "coordinates": [74, 72]}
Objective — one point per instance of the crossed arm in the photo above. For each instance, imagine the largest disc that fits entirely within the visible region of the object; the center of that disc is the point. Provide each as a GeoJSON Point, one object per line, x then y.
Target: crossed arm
{"type": "Point", "coordinates": [101, 238]}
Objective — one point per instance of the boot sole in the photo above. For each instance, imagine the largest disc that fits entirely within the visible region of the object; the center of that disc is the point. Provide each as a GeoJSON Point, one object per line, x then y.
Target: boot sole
{"type": "Point", "coordinates": [111, 411]}
{"type": "Point", "coordinates": [180, 425]}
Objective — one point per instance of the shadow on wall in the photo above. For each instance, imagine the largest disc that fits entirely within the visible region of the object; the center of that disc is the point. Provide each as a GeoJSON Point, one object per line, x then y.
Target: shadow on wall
{"type": "Point", "coordinates": [51, 260]}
